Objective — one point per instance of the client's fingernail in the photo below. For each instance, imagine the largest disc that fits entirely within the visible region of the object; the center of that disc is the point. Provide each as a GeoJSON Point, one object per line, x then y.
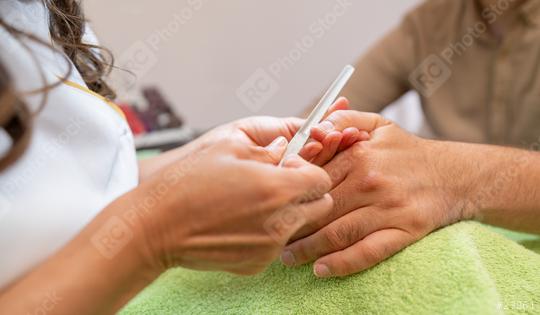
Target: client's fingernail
{"type": "Point", "coordinates": [287, 258]}
{"type": "Point", "coordinates": [278, 142]}
{"type": "Point", "coordinates": [326, 126]}
{"type": "Point", "coordinates": [321, 271]}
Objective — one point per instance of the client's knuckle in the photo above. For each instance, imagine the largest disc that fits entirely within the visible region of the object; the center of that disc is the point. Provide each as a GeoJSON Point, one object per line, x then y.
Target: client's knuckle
{"type": "Point", "coordinates": [372, 181]}
{"type": "Point", "coordinates": [336, 171]}
{"type": "Point", "coordinates": [337, 238]}
{"type": "Point", "coordinates": [340, 203]}
{"type": "Point", "coordinates": [360, 151]}
{"type": "Point", "coordinates": [340, 119]}
{"type": "Point", "coordinates": [395, 197]}
{"type": "Point", "coordinates": [372, 254]}
{"type": "Point", "coordinates": [419, 223]}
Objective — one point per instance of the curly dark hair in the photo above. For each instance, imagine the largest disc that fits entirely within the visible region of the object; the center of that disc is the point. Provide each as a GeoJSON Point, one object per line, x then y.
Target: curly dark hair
{"type": "Point", "coordinates": [67, 26]}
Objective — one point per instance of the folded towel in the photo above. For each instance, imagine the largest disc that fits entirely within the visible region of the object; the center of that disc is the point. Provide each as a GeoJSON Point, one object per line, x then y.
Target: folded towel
{"type": "Point", "coordinates": [466, 268]}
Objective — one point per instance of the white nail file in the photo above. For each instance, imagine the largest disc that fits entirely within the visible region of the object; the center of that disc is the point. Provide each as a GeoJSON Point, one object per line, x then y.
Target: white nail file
{"type": "Point", "coordinates": [302, 136]}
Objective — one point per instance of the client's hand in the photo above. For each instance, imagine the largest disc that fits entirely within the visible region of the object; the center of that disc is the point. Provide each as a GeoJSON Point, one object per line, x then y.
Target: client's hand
{"type": "Point", "coordinates": [389, 192]}
{"type": "Point", "coordinates": [332, 140]}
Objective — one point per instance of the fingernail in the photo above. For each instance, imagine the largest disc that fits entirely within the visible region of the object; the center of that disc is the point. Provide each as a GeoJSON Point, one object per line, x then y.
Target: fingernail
{"type": "Point", "coordinates": [326, 126]}
{"type": "Point", "coordinates": [321, 271]}
{"type": "Point", "coordinates": [278, 142]}
{"type": "Point", "coordinates": [287, 258]}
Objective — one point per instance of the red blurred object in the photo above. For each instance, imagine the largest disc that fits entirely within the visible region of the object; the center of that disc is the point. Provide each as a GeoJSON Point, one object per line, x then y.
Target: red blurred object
{"type": "Point", "coordinates": [134, 122]}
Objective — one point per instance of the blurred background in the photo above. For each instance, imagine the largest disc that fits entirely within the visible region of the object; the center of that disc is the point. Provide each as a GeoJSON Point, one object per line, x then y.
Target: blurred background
{"type": "Point", "coordinates": [215, 61]}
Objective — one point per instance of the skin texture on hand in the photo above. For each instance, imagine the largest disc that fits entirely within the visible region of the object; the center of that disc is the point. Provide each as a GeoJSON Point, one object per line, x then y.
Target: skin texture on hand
{"type": "Point", "coordinates": [223, 205]}
{"type": "Point", "coordinates": [389, 192]}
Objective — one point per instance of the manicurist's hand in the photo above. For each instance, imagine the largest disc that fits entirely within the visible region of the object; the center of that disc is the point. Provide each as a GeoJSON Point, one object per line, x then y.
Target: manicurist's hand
{"type": "Point", "coordinates": [389, 192]}
{"type": "Point", "coordinates": [228, 207]}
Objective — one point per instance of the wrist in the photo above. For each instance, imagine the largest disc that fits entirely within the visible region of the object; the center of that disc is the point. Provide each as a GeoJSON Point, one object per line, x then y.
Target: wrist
{"type": "Point", "coordinates": [155, 213]}
{"type": "Point", "coordinates": [457, 166]}
{"type": "Point", "coordinates": [130, 229]}
{"type": "Point", "coordinates": [500, 175]}
{"type": "Point", "coordinates": [479, 176]}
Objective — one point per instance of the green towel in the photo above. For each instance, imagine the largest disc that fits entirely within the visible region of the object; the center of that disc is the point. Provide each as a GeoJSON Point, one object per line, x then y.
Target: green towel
{"type": "Point", "coordinates": [466, 268]}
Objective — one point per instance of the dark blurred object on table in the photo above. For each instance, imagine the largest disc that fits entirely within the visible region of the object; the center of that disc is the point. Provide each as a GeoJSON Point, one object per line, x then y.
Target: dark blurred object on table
{"type": "Point", "coordinates": [154, 123]}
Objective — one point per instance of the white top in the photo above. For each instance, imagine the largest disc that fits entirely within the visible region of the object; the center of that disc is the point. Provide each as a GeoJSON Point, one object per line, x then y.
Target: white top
{"type": "Point", "coordinates": [80, 159]}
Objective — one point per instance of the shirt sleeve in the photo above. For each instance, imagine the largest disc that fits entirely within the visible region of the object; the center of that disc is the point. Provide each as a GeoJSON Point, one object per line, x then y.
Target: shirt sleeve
{"type": "Point", "coordinates": [382, 73]}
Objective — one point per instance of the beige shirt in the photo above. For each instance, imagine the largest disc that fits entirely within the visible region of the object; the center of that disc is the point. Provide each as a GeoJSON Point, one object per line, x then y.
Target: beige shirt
{"type": "Point", "coordinates": [474, 86]}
